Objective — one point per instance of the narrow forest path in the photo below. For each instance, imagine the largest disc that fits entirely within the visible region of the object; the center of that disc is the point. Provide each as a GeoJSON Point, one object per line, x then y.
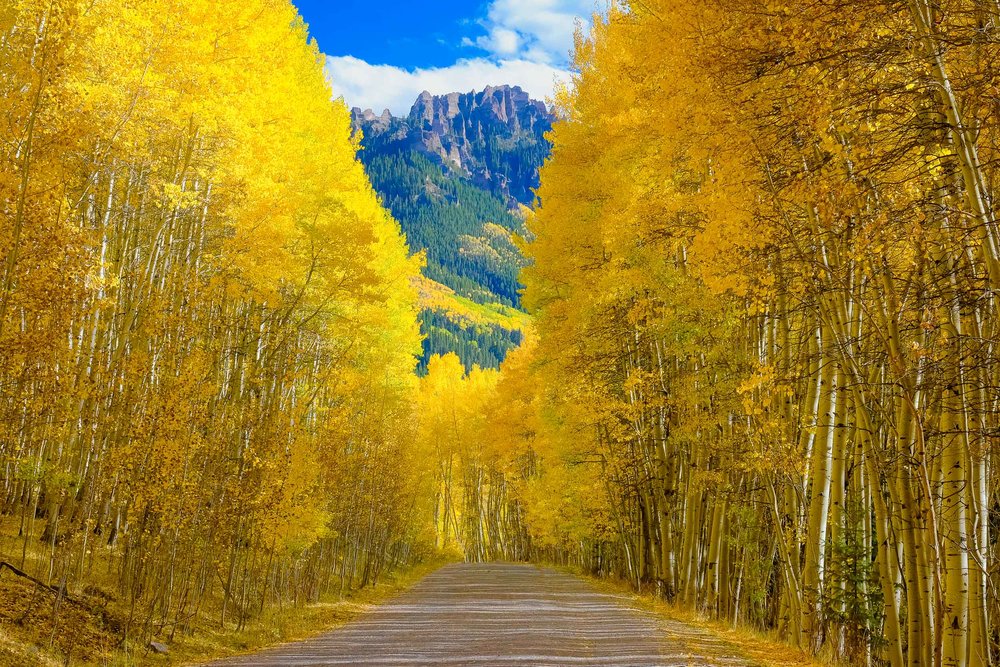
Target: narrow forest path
{"type": "Point", "coordinates": [503, 615]}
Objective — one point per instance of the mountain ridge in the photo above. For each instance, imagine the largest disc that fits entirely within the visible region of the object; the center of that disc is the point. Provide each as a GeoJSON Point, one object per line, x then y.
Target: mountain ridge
{"type": "Point", "coordinates": [471, 134]}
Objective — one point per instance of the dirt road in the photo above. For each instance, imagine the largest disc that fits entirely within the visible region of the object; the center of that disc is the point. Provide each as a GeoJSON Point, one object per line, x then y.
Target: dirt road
{"type": "Point", "coordinates": [502, 616]}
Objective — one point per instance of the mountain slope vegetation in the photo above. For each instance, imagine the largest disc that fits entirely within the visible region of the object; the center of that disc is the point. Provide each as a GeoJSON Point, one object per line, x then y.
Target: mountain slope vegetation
{"type": "Point", "coordinates": [457, 173]}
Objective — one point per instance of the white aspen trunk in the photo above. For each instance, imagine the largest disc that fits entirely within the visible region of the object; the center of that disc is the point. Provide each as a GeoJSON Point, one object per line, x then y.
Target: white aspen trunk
{"type": "Point", "coordinates": [819, 505]}
{"type": "Point", "coordinates": [838, 471]}
{"type": "Point", "coordinates": [712, 565]}
{"type": "Point", "coordinates": [885, 552]}
{"type": "Point", "coordinates": [978, 501]}
{"type": "Point", "coordinates": [955, 620]}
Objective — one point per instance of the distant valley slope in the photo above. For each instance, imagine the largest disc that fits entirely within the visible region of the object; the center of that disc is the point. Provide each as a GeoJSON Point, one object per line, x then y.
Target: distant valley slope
{"type": "Point", "coordinates": [456, 173]}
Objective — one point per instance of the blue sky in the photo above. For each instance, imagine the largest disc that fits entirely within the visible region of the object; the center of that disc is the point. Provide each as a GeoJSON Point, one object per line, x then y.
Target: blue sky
{"type": "Point", "coordinates": [383, 54]}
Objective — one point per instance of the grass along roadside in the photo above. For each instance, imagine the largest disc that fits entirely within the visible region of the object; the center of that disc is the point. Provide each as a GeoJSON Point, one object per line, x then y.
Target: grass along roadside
{"type": "Point", "coordinates": [279, 626]}
{"type": "Point", "coordinates": [85, 634]}
{"type": "Point", "coordinates": [761, 648]}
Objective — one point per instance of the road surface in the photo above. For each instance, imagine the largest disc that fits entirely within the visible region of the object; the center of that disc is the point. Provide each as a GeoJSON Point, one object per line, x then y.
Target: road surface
{"type": "Point", "coordinates": [500, 615]}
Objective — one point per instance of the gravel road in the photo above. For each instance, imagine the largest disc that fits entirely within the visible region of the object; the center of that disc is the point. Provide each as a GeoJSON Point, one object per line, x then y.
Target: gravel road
{"type": "Point", "coordinates": [500, 615]}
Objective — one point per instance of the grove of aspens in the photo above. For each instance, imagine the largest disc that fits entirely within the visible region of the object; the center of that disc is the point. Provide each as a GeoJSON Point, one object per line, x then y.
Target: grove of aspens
{"type": "Point", "coordinates": [762, 376]}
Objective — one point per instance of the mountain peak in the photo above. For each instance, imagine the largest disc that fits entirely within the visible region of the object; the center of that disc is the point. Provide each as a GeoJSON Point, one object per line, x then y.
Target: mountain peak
{"type": "Point", "coordinates": [503, 90]}
{"type": "Point", "coordinates": [460, 132]}
{"type": "Point", "coordinates": [368, 118]}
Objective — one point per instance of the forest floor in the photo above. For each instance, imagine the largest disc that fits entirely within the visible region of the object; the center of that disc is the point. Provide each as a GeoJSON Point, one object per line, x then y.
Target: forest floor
{"type": "Point", "coordinates": [87, 625]}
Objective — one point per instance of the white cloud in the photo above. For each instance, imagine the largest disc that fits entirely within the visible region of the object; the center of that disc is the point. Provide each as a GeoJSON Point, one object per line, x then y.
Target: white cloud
{"type": "Point", "coordinates": [500, 41]}
{"type": "Point", "coordinates": [378, 87]}
{"type": "Point", "coordinates": [527, 42]}
{"type": "Point", "coordinates": [545, 28]}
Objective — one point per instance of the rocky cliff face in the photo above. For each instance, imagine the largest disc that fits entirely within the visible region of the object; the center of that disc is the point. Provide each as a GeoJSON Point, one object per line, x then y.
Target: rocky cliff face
{"type": "Point", "coordinates": [494, 137]}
